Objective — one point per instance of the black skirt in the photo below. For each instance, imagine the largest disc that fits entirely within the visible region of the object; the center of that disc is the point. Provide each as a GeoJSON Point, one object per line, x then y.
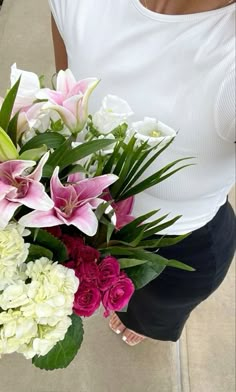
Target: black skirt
{"type": "Point", "coordinates": [160, 309]}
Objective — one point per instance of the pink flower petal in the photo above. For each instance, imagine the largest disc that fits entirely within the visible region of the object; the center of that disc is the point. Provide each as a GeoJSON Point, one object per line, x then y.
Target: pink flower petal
{"type": "Point", "coordinates": [37, 173]}
{"type": "Point", "coordinates": [55, 97]}
{"type": "Point", "coordinates": [61, 194]}
{"type": "Point", "coordinates": [85, 220]}
{"type": "Point", "coordinates": [125, 206]}
{"type": "Point", "coordinates": [7, 210]}
{"type": "Point", "coordinates": [36, 197]}
{"type": "Point", "coordinates": [68, 117]}
{"type": "Point", "coordinates": [93, 187]}
{"type": "Point", "coordinates": [5, 189]}
{"type": "Point", "coordinates": [65, 81]}
{"type": "Point", "coordinates": [40, 219]}
{"type": "Point", "coordinates": [14, 168]}
{"type": "Point", "coordinates": [76, 177]}
{"type": "Point", "coordinates": [82, 86]}
{"type": "Point", "coordinates": [72, 104]}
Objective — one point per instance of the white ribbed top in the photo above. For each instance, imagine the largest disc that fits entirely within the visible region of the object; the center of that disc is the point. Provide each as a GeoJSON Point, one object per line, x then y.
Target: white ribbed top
{"type": "Point", "coordinates": [177, 68]}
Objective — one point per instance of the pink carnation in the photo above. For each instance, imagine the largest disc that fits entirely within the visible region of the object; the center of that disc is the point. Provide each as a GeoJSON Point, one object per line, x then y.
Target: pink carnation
{"type": "Point", "coordinates": [72, 244]}
{"type": "Point", "coordinates": [118, 296]}
{"type": "Point", "coordinates": [88, 272]}
{"type": "Point", "coordinates": [87, 254]}
{"type": "Point", "coordinates": [109, 271]}
{"type": "Point", "coordinates": [87, 300]}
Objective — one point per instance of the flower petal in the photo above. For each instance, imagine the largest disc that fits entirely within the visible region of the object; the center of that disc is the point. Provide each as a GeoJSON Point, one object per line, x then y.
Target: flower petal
{"type": "Point", "coordinates": [14, 168]}
{"type": "Point", "coordinates": [93, 187]}
{"type": "Point", "coordinates": [59, 193]}
{"type": "Point", "coordinates": [36, 197]}
{"type": "Point", "coordinates": [37, 173]}
{"type": "Point", "coordinates": [65, 81]}
{"type": "Point", "coordinates": [7, 210]}
{"type": "Point", "coordinates": [40, 219]}
{"type": "Point", "coordinates": [85, 220]}
{"type": "Point", "coordinates": [29, 86]}
{"type": "Point", "coordinates": [68, 117]}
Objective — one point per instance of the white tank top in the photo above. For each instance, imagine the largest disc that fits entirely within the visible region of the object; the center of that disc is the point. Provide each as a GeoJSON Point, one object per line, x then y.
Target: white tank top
{"type": "Point", "coordinates": [179, 69]}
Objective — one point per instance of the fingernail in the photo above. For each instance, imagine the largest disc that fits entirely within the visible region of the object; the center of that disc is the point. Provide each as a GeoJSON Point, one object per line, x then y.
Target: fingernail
{"type": "Point", "coordinates": [118, 331]}
{"type": "Point", "coordinates": [124, 338]}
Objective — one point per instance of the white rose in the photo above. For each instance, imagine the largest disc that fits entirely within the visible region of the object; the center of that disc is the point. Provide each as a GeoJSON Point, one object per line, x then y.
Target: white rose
{"type": "Point", "coordinates": [13, 253]}
{"type": "Point", "coordinates": [152, 131]}
{"type": "Point", "coordinates": [114, 112]}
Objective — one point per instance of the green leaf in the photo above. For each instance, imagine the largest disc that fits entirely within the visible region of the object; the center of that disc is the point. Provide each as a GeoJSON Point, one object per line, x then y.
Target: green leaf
{"type": "Point", "coordinates": [154, 179]}
{"type": "Point", "coordinates": [110, 230]}
{"type": "Point", "coordinates": [84, 150]}
{"type": "Point", "coordinates": [57, 158]}
{"type": "Point", "coordinates": [132, 226]}
{"type": "Point", "coordinates": [7, 106]}
{"type": "Point", "coordinates": [43, 238]}
{"type": "Point", "coordinates": [178, 264]}
{"type": "Point", "coordinates": [142, 275]}
{"type": "Point", "coordinates": [37, 251]}
{"type": "Point", "coordinates": [7, 149]}
{"type": "Point", "coordinates": [50, 139]}
{"type": "Point", "coordinates": [140, 169]}
{"type": "Point", "coordinates": [12, 128]}
{"type": "Point", "coordinates": [128, 263]}
{"type": "Point", "coordinates": [35, 154]}
{"type": "Point", "coordinates": [163, 241]}
{"type": "Point", "coordinates": [64, 351]}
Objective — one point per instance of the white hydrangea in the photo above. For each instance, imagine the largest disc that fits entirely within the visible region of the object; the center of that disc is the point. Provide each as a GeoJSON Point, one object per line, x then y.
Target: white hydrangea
{"type": "Point", "coordinates": [46, 339]}
{"type": "Point", "coordinates": [15, 331]}
{"type": "Point", "coordinates": [35, 310]}
{"type": "Point", "coordinates": [13, 252]}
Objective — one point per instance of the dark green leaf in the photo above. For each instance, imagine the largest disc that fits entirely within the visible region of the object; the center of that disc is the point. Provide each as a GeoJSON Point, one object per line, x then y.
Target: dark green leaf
{"type": "Point", "coordinates": [142, 275]}
{"type": "Point", "coordinates": [37, 251]}
{"type": "Point", "coordinates": [7, 106]}
{"type": "Point", "coordinates": [84, 150]}
{"type": "Point", "coordinates": [12, 128]}
{"type": "Point", "coordinates": [51, 139]}
{"type": "Point", "coordinates": [128, 263]}
{"type": "Point", "coordinates": [47, 240]}
{"type": "Point", "coordinates": [64, 351]}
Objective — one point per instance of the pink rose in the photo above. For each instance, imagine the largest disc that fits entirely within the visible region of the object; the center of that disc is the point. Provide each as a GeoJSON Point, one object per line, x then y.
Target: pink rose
{"type": "Point", "coordinates": [87, 300]}
{"type": "Point", "coordinates": [86, 253]}
{"type": "Point", "coordinates": [109, 272]}
{"type": "Point", "coordinates": [118, 296]}
{"type": "Point", "coordinates": [88, 271]}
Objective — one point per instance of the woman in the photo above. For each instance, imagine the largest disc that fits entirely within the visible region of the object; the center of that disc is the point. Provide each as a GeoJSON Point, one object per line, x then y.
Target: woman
{"type": "Point", "coordinates": [172, 60]}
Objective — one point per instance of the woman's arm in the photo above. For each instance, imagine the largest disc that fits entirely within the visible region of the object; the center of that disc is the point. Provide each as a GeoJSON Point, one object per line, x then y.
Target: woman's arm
{"type": "Point", "coordinates": [59, 48]}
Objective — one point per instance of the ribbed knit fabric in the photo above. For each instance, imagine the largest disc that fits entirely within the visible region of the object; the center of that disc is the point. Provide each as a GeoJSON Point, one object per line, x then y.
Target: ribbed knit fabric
{"type": "Point", "coordinates": [177, 68]}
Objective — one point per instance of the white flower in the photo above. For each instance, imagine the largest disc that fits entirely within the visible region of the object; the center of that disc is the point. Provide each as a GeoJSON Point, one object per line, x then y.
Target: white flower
{"type": "Point", "coordinates": [109, 149]}
{"type": "Point", "coordinates": [51, 291]}
{"type": "Point", "coordinates": [36, 311]}
{"type": "Point", "coordinates": [14, 296]}
{"type": "Point", "coordinates": [15, 330]}
{"type": "Point", "coordinates": [46, 339]}
{"type": "Point", "coordinates": [114, 112]}
{"type": "Point", "coordinates": [152, 131]}
{"type": "Point", "coordinates": [29, 87]}
{"type": "Point", "coordinates": [13, 252]}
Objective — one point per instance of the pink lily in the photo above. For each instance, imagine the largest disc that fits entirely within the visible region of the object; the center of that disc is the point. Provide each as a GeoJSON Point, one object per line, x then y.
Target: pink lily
{"type": "Point", "coordinates": [70, 99]}
{"type": "Point", "coordinates": [123, 210]}
{"type": "Point", "coordinates": [73, 203]}
{"type": "Point", "coordinates": [17, 188]}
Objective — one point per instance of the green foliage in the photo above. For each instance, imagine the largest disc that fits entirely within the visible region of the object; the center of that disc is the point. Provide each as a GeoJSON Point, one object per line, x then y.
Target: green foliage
{"type": "Point", "coordinates": [46, 240]}
{"type": "Point", "coordinates": [7, 106]}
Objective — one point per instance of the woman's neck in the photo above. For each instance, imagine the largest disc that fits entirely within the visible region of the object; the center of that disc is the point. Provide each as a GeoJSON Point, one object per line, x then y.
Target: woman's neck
{"type": "Point", "coordinates": [175, 7]}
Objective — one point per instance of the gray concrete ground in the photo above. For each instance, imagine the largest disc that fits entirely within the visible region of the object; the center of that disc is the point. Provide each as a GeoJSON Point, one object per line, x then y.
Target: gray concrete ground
{"type": "Point", "coordinates": [202, 361]}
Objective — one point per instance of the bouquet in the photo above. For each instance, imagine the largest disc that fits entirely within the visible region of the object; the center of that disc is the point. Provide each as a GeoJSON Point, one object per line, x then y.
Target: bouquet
{"type": "Point", "coordinates": [69, 244]}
